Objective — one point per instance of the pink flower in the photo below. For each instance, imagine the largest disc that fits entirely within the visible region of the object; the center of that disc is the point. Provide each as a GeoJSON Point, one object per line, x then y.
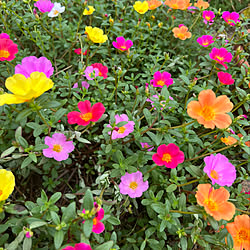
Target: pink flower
{"type": "Point", "coordinates": [205, 40]}
{"type": "Point", "coordinates": [84, 85]}
{"type": "Point", "coordinates": [79, 51]}
{"type": "Point", "coordinates": [221, 56]}
{"type": "Point", "coordinates": [133, 184]}
{"type": "Point", "coordinates": [220, 170]}
{"type": "Point", "coordinates": [4, 35]}
{"type": "Point", "coordinates": [90, 72]}
{"type": "Point", "coordinates": [146, 145]}
{"type": "Point", "coordinates": [8, 49]}
{"type": "Point", "coordinates": [225, 78]}
{"type": "Point", "coordinates": [191, 8]}
{"type": "Point", "coordinates": [78, 246]}
{"type": "Point", "coordinates": [32, 64]}
{"type": "Point", "coordinates": [28, 234]}
{"type": "Point", "coordinates": [87, 113]}
{"type": "Point", "coordinates": [98, 226]}
{"type": "Point", "coordinates": [103, 70]}
{"type": "Point", "coordinates": [122, 44]}
{"type": "Point", "coordinates": [44, 5]}
{"type": "Point", "coordinates": [162, 103]}
{"type": "Point", "coordinates": [123, 131]}
{"type": "Point", "coordinates": [168, 155]}
{"type": "Point", "coordinates": [208, 16]}
{"type": "Point", "coordinates": [59, 147]}
{"type": "Point", "coordinates": [161, 79]}
{"type": "Point", "coordinates": [231, 18]}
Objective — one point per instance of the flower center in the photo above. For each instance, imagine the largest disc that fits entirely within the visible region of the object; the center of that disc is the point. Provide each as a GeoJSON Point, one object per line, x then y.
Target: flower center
{"type": "Point", "coordinates": [133, 185]}
{"type": "Point", "coordinates": [175, 6]}
{"type": "Point", "coordinates": [208, 18]}
{"type": "Point", "coordinates": [205, 43]}
{"type": "Point", "coordinates": [121, 130]}
{"type": "Point", "coordinates": [1, 192]}
{"type": "Point", "coordinates": [56, 12]}
{"type": "Point", "coordinates": [211, 205]}
{"type": "Point", "coordinates": [208, 113]}
{"type": "Point", "coordinates": [167, 157]}
{"type": "Point", "coordinates": [95, 221]}
{"type": "Point", "coordinates": [57, 148]}
{"type": "Point", "coordinates": [4, 53]}
{"type": "Point", "coordinates": [100, 73]}
{"type": "Point", "coordinates": [86, 117]}
{"type": "Point", "coordinates": [219, 58]}
{"type": "Point", "coordinates": [161, 83]}
{"type": "Point", "coordinates": [214, 175]}
{"type": "Point", "coordinates": [181, 36]}
{"type": "Point", "coordinates": [243, 236]}
{"type": "Point", "coordinates": [123, 47]}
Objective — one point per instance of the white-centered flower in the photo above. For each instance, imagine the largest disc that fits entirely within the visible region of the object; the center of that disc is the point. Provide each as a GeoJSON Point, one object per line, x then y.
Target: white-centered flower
{"type": "Point", "coordinates": [56, 10]}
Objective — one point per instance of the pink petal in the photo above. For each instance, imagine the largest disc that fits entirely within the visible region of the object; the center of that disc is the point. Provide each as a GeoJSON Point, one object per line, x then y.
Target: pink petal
{"type": "Point", "coordinates": [84, 107]}
{"type": "Point", "coordinates": [98, 228]}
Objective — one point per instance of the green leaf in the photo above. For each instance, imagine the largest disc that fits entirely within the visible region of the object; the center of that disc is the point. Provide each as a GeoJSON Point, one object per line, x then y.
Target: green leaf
{"type": "Point", "coordinates": [113, 220]}
{"type": "Point", "coordinates": [230, 241]}
{"type": "Point", "coordinates": [26, 162]}
{"type": "Point", "coordinates": [27, 243]}
{"type": "Point", "coordinates": [23, 114]}
{"type": "Point", "coordinates": [3, 228]}
{"type": "Point", "coordinates": [14, 244]}
{"type": "Point", "coordinates": [185, 79]}
{"type": "Point", "coordinates": [16, 209]}
{"type": "Point", "coordinates": [171, 188]}
{"type": "Point", "coordinates": [147, 115]}
{"type": "Point", "coordinates": [18, 132]}
{"type": "Point", "coordinates": [194, 171]}
{"type": "Point", "coordinates": [87, 227]}
{"type": "Point", "coordinates": [105, 246]}
{"type": "Point", "coordinates": [59, 113]}
{"type": "Point", "coordinates": [184, 243]}
{"type": "Point", "coordinates": [108, 148]}
{"type": "Point", "coordinates": [55, 197]}
{"type": "Point", "coordinates": [88, 201]}
{"type": "Point", "coordinates": [37, 224]}
{"type": "Point", "coordinates": [22, 142]}
{"type": "Point", "coordinates": [55, 217]}
{"type": "Point", "coordinates": [163, 225]}
{"type": "Point", "coordinates": [182, 202]}
{"type": "Point", "coordinates": [213, 223]}
{"type": "Point", "coordinates": [51, 104]}
{"type": "Point", "coordinates": [58, 239]}
{"type": "Point", "coordinates": [69, 212]}
{"type": "Point", "coordinates": [8, 151]}
{"type": "Point", "coordinates": [32, 156]}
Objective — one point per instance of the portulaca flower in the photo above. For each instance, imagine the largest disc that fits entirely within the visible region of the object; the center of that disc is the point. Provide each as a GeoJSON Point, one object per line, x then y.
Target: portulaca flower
{"type": "Point", "coordinates": [56, 10]}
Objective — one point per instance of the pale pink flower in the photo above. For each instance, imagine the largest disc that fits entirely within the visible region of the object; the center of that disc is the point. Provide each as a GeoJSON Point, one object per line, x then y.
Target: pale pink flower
{"type": "Point", "coordinates": [90, 72]}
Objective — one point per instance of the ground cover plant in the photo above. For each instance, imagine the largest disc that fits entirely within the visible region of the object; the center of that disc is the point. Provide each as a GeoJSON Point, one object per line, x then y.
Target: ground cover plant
{"type": "Point", "coordinates": [124, 125]}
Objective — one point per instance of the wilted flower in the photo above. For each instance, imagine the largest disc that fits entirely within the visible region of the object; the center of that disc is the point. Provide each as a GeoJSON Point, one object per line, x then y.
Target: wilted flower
{"type": "Point", "coordinates": [95, 34]}
{"type": "Point", "coordinates": [215, 202]}
{"type": "Point", "coordinates": [220, 170]}
{"type": "Point", "coordinates": [161, 79]}
{"type": "Point", "coordinates": [88, 10]}
{"type": "Point", "coordinates": [146, 146]}
{"type": "Point", "coordinates": [122, 44]}
{"type": "Point", "coordinates": [25, 89]}
{"type": "Point", "coordinates": [8, 49]}
{"type": "Point", "coordinates": [44, 5]}
{"type": "Point", "coordinates": [201, 4]}
{"type": "Point", "coordinates": [56, 10]}
{"type": "Point", "coordinates": [87, 113]}
{"type": "Point", "coordinates": [228, 140]}
{"type": "Point", "coordinates": [7, 184]}
{"type": "Point", "coordinates": [225, 78]}
{"type": "Point", "coordinates": [231, 18]}
{"type": "Point", "coordinates": [32, 64]}
{"type": "Point", "coordinates": [102, 69]}
{"type": "Point", "coordinates": [133, 184]}
{"type": "Point", "coordinates": [78, 246]}
{"type": "Point", "coordinates": [210, 110]}
{"type": "Point", "coordinates": [221, 56]}
{"type": "Point", "coordinates": [59, 147]}
{"type": "Point", "coordinates": [208, 16]}
{"type": "Point", "coordinates": [178, 4]}
{"type": "Point", "coordinates": [168, 155]}
{"type": "Point", "coordinates": [141, 7]}
{"type": "Point", "coordinates": [84, 85]}
{"type": "Point", "coordinates": [205, 40]}
{"type": "Point", "coordinates": [181, 32]}
{"type": "Point", "coordinates": [79, 51]}
{"type": "Point", "coordinates": [90, 72]}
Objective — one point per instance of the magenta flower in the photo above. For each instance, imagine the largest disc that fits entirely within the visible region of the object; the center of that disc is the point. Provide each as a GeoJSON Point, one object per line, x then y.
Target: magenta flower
{"type": "Point", "coordinates": [28, 234]}
{"type": "Point", "coordinates": [87, 113]}
{"type": "Point", "coordinates": [59, 147]}
{"type": "Point", "coordinates": [147, 146]}
{"type": "Point", "coordinates": [133, 184]}
{"type": "Point", "coordinates": [225, 78]}
{"type": "Point", "coordinates": [31, 64]}
{"type": "Point", "coordinates": [123, 131]}
{"type": "Point", "coordinates": [122, 44]}
{"type": "Point", "coordinates": [98, 226]}
{"type": "Point", "coordinates": [205, 40]}
{"type": "Point", "coordinates": [84, 85]}
{"type": "Point", "coordinates": [102, 69]}
{"type": "Point", "coordinates": [231, 18]}
{"type": "Point", "coordinates": [44, 5]}
{"type": "Point", "coordinates": [4, 35]}
{"type": "Point", "coordinates": [168, 155]}
{"type": "Point", "coordinates": [220, 170]}
{"type": "Point", "coordinates": [161, 79]}
{"type": "Point", "coordinates": [90, 72]}
{"type": "Point", "coordinates": [208, 16]}
{"type": "Point", "coordinates": [221, 56]}
{"type": "Point", "coordinates": [78, 246]}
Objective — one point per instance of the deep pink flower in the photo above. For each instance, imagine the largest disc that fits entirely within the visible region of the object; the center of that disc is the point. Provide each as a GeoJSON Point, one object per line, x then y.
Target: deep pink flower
{"type": "Point", "coordinates": [168, 155]}
{"type": "Point", "coordinates": [133, 184]}
{"type": "Point", "coordinates": [84, 85]}
{"type": "Point", "coordinates": [103, 70]}
{"type": "Point", "coordinates": [98, 226]}
{"type": "Point", "coordinates": [32, 64]}
{"type": "Point", "coordinates": [147, 146]}
{"type": "Point", "coordinates": [229, 17]}
{"type": "Point", "coordinates": [121, 132]}
{"type": "Point", "coordinates": [161, 79]}
{"type": "Point", "coordinates": [122, 44]}
{"type": "Point", "coordinates": [87, 113]}
{"type": "Point", "coordinates": [8, 49]}
{"type": "Point", "coordinates": [220, 170]}
{"type": "Point", "coordinates": [225, 78]}
{"type": "Point", "coordinates": [221, 56]}
{"type": "Point", "coordinates": [90, 72]}
{"type": "Point", "coordinates": [78, 246]}
{"type": "Point", "coordinates": [208, 16]}
{"type": "Point", "coordinates": [44, 5]}
{"type": "Point", "coordinates": [205, 40]}
{"type": "Point", "coordinates": [79, 51]}
{"type": "Point", "coordinates": [4, 35]}
{"type": "Point", "coordinates": [28, 234]}
{"type": "Point", "coordinates": [59, 147]}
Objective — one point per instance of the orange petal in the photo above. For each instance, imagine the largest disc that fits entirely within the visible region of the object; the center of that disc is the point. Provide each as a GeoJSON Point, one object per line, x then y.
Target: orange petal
{"type": "Point", "coordinates": [208, 124]}
{"type": "Point", "coordinates": [207, 97]}
{"type": "Point", "coordinates": [225, 211]}
{"type": "Point", "coordinates": [222, 104]}
{"type": "Point", "coordinates": [222, 121]}
{"type": "Point", "coordinates": [220, 195]}
{"type": "Point", "coordinates": [194, 109]}
{"type": "Point", "coordinates": [202, 193]}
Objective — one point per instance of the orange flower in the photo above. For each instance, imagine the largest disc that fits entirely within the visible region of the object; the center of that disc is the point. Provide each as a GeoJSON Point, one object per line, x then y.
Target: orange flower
{"type": "Point", "coordinates": [153, 4]}
{"type": "Point", "coordinates": [181, 32]}
{"type": "Point", "coordinates": [178, 4]}
{"type": "Point", "coordinates": [240, 231]}
{"type": "Point", "coordinates": [215, 202]}
{"type": "Point", "coordinates": [201, 4]}
{"type": "Point", "coordinates": [211, 110]}
{"type": "Point", "coordinates": [247, 142]}
{"type": "Point", "coordinates": [228, 140]}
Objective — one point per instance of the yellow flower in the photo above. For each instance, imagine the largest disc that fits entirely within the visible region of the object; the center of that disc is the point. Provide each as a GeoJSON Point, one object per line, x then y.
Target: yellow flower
{"type": "Point", "coordinates": [95, 34]}
{"type": "Point", "coordinates": [88, 11]}
{"type": "Point", "coordinates": [7, 184]}
{"type": "Point", "coordinates": [25, 89]}
{"type": "Point", "coordinates": [141, 7]}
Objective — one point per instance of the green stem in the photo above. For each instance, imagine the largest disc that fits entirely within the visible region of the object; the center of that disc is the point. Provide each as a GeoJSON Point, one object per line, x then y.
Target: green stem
{"type": "Point", "coordinates": [43, 119]}
{"type": "Point", "coordinates": [183, 125]}
{"type": "Point", "coordinates": [195, 21]}
{"type": "Point", "coordinates": [151, 169]}
{"type": "Point", "coordinates": [182, 212]}
{"type": "Point", "coordinates": [188, 183]}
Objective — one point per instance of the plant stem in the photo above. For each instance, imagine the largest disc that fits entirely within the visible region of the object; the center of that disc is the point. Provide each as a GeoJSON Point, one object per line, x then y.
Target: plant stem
{"type": "Point", "coordinates": [183, 125]}
{"type": "Point", "coordinates": [182, 212]}
{"type": "Point", "coordinates": [190, 182]}
{"type": "Point", "coordinates": [151, 169]}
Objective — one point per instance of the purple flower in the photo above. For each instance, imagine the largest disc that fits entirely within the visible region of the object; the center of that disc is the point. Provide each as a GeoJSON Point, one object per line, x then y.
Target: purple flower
{"type": "Point", "coordinates": [59, 147]}
{"type": "Point", "coordinates": [84, 85]}
{"type": "Point", "coordinates": [90, 73]}
{"type": "Point", "coordinates": [44, 5]}
{"type": "Point", "coordinates": [146, 145]}
{"type": "Point", "coordinates": [220, 170]}
{"type": "Point", "coordinates": [121, 132]}
{"type": "Point", "coordinates": [133, 184]}
{"type": "Point", "coordinates": [32, 64]}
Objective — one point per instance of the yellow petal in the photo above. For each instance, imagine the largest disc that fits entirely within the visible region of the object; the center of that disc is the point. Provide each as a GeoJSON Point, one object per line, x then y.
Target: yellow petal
{"type": "Point", "coordinates": [10, 99]}
{"type": "Point", "coordinates": [7, 184]}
